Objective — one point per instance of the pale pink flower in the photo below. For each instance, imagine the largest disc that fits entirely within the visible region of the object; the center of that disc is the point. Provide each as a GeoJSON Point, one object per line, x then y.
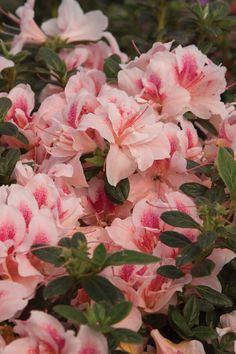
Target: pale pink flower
{"type": "Point", "coordinates": [41, 333]}
{"type": "Point", "coordinates": [73, 25]}
{"type": "Point", "coordinates": [29, 30]}
{"type": "Point", "coordinates": [165, 346]}
{"type": "Point", "coordinates": [22, 346]}
{"type": "Point", "coordinates": [204, 80]}
{"type": "Point", "coordinates": [136, 138]}
{"type": "Point", "coordinates": [156, 85]}
{"type": "Point", "coordinates": [227, 131]}
{"type": "Point", "coordinates": [13, 298]}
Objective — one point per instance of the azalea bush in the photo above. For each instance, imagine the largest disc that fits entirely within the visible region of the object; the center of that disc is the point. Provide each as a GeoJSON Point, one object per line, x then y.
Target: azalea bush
{"type": "Point", "coordinates": [118, 192]}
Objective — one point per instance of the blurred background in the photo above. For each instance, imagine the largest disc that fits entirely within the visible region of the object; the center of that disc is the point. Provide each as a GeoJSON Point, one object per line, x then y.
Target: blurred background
{"type": "Point", "coordinates": [211, 25]}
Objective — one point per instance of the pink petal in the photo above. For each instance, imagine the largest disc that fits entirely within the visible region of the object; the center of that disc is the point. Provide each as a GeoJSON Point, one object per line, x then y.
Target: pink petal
{"type": "Point", "coordinates": [91, 342]}
{"type": "Point", "coordinates": [12, 298]}
{"type": "Point", "coordinates": [118, 165]}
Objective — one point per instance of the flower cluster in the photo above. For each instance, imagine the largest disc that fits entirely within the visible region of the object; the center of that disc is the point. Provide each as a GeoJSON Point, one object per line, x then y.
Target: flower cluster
{"type": "Point", "coordinates": [114, 214]}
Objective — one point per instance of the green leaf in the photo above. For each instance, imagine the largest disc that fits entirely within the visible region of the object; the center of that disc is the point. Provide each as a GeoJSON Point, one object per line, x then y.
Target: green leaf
{"type": "Point", "coordinates": [204, 333]}
{"type": "Point", "coordinates": [206, 124]}
{"type": "Point", "coordinates": [118, 194]}
{"type": "Point", "coordinates": [213, 296]}
{"type": "Point", "coordinates": [193, 189]}
{"type": "Point", "coordinates": [191, 311]}
{"type": "Point", "coordinates": [207, 239]}
{"type": "Point", "coordinates": [58, 286]}
{"type": "Point", "coordinates": [91, 172]}
{"type": "Point", "coordinates": [71, 313]}
{"type": "Point", "coordinates": [179, 219]}
{"type": "Point", "coordinates": [119, 312]}
{"type": "Point", "coordinates": [10, 129]}
{"type": "Point", "coordinates": [48, 254]}
{"type": "Point", "coordinates": [77, 239]}
{"type": "Point", "coordinates": [97, 161]}
{"type": "Point", "coordinates": [100, 289]}
{"type": "Point", "coordinates": [112, 66]}
{"type": "Point", "coordinates": [99, 254]}
{"type": "Point", "coordinates": [198, 168]}
{"type": "Point", "coordinates": [7, 163]}
{"type": "Point", "coordinates": [179, 322]}
{"type": "Point", "coordinates": [50, 58]}
{"type": "Point", "coordinates": [5, 105]}
{"type": "Point", "coordinates": [188, 254]}
{"type": "Point", "coordinates": [227, 169]}
{"type": "Point", "coordinates": [205, 306]}
{"type": "Point", "coordinates": [226, 341]}
{"type": "Point", "coordinates": [174, 239]}
{"type": "Point", "coordinates": [130, 257]}
{"type": "Point", "coordinates": [203, 269]}
{"type": "Point", "coordinates": [65, 242]}
{"type": "Point", "coordinates": [126, 336]}
{"type": "Point", "coordinates": [170, 271]}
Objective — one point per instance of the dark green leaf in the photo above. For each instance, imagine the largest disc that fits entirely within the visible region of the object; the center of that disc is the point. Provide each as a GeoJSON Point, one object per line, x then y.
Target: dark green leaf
{"type": "Point", "coordinates": [170, 271]}
{"type": "Point", "coordinates": [178, 321]}
{"type": "Point", "coordinates": [206, 239]}
{"type": "Point", "coordinates": [203, 269]}
{"type": "Point", "coordinates": [10, 129]}
{"type": "Point", "coordinates": [71, 313]}
{"type": "Point", "coordinates": [191, 311]}
{"type": "Point", "coordinates": [58, 286]}
{"type": "Point", "coordinates": [205, 306]}
{"type": "Point", "coordinates": [226, 341]}
{"type": "Point", "coordinates": [197, 168]}
{"type": "Point", "coordinates": [5, 105]}
{"type": "Point", "coordinates": [213, 296]}
{"type": "Point", "coordinates": [130, 257]}
{"type": "Point", "coordinates": [99, 254]}
{"type": "Point", "coordinates": [100, 289]}
{"type": "Point", "coordinates": [65, 242]}
{"type": "Point", "coordinates": [179, 219]}
{"type": "Point", "coordinates": [227, 169]}
{"type": "Point", "coordinates": [77, 239]}
{"type": "Point", "coordinates": [48, 254]}
{"type": "Point", "coordinates": [193, 189]}
{"type": "Point", "coordinates": [126, 336]}
{"type": "Point", "coordinates": [91, 172]}
{"type": "Point", "coordinates": [97, 161]}
{"type": "Point", "coordinates": [174, 239]}
{"type": "Point", "coordinates": [7, 163]}
{"type": "Point", "coordinates": [206, 124]}
{"type": "Point", "coordinates": [50, 58]}
{"type": "Point", "coordinates": [204, 333]}
{"type": "Point", "coordinates": [119, 312]}
{"type": "Point", "coordinates": [188, 254]}
{"type": "Point", "coordinates": [112, 66]}
{"type": "Point", "coordinates": [118, 194]}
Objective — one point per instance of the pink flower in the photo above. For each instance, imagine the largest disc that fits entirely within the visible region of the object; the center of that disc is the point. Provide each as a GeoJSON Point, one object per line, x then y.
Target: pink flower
{"type": "Point", "coordinates": [73, 25]}
{"type": "Point", "coordinates": [156, 85]}
{"type": "Point", "coordinates": [42, 334]}
{"type": "Point", "coordinates": [165, 346]}
{"type": "Point", "coordinates": [30, 32]}
{"type": "Point", "coordinates": [176, 82]}
{"type": "Point", "coordinates": [136, 138]}
{"type": "Point", "coordinates": [204, 81]}
{"type": "Point", "coordinates": [13, 297]}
